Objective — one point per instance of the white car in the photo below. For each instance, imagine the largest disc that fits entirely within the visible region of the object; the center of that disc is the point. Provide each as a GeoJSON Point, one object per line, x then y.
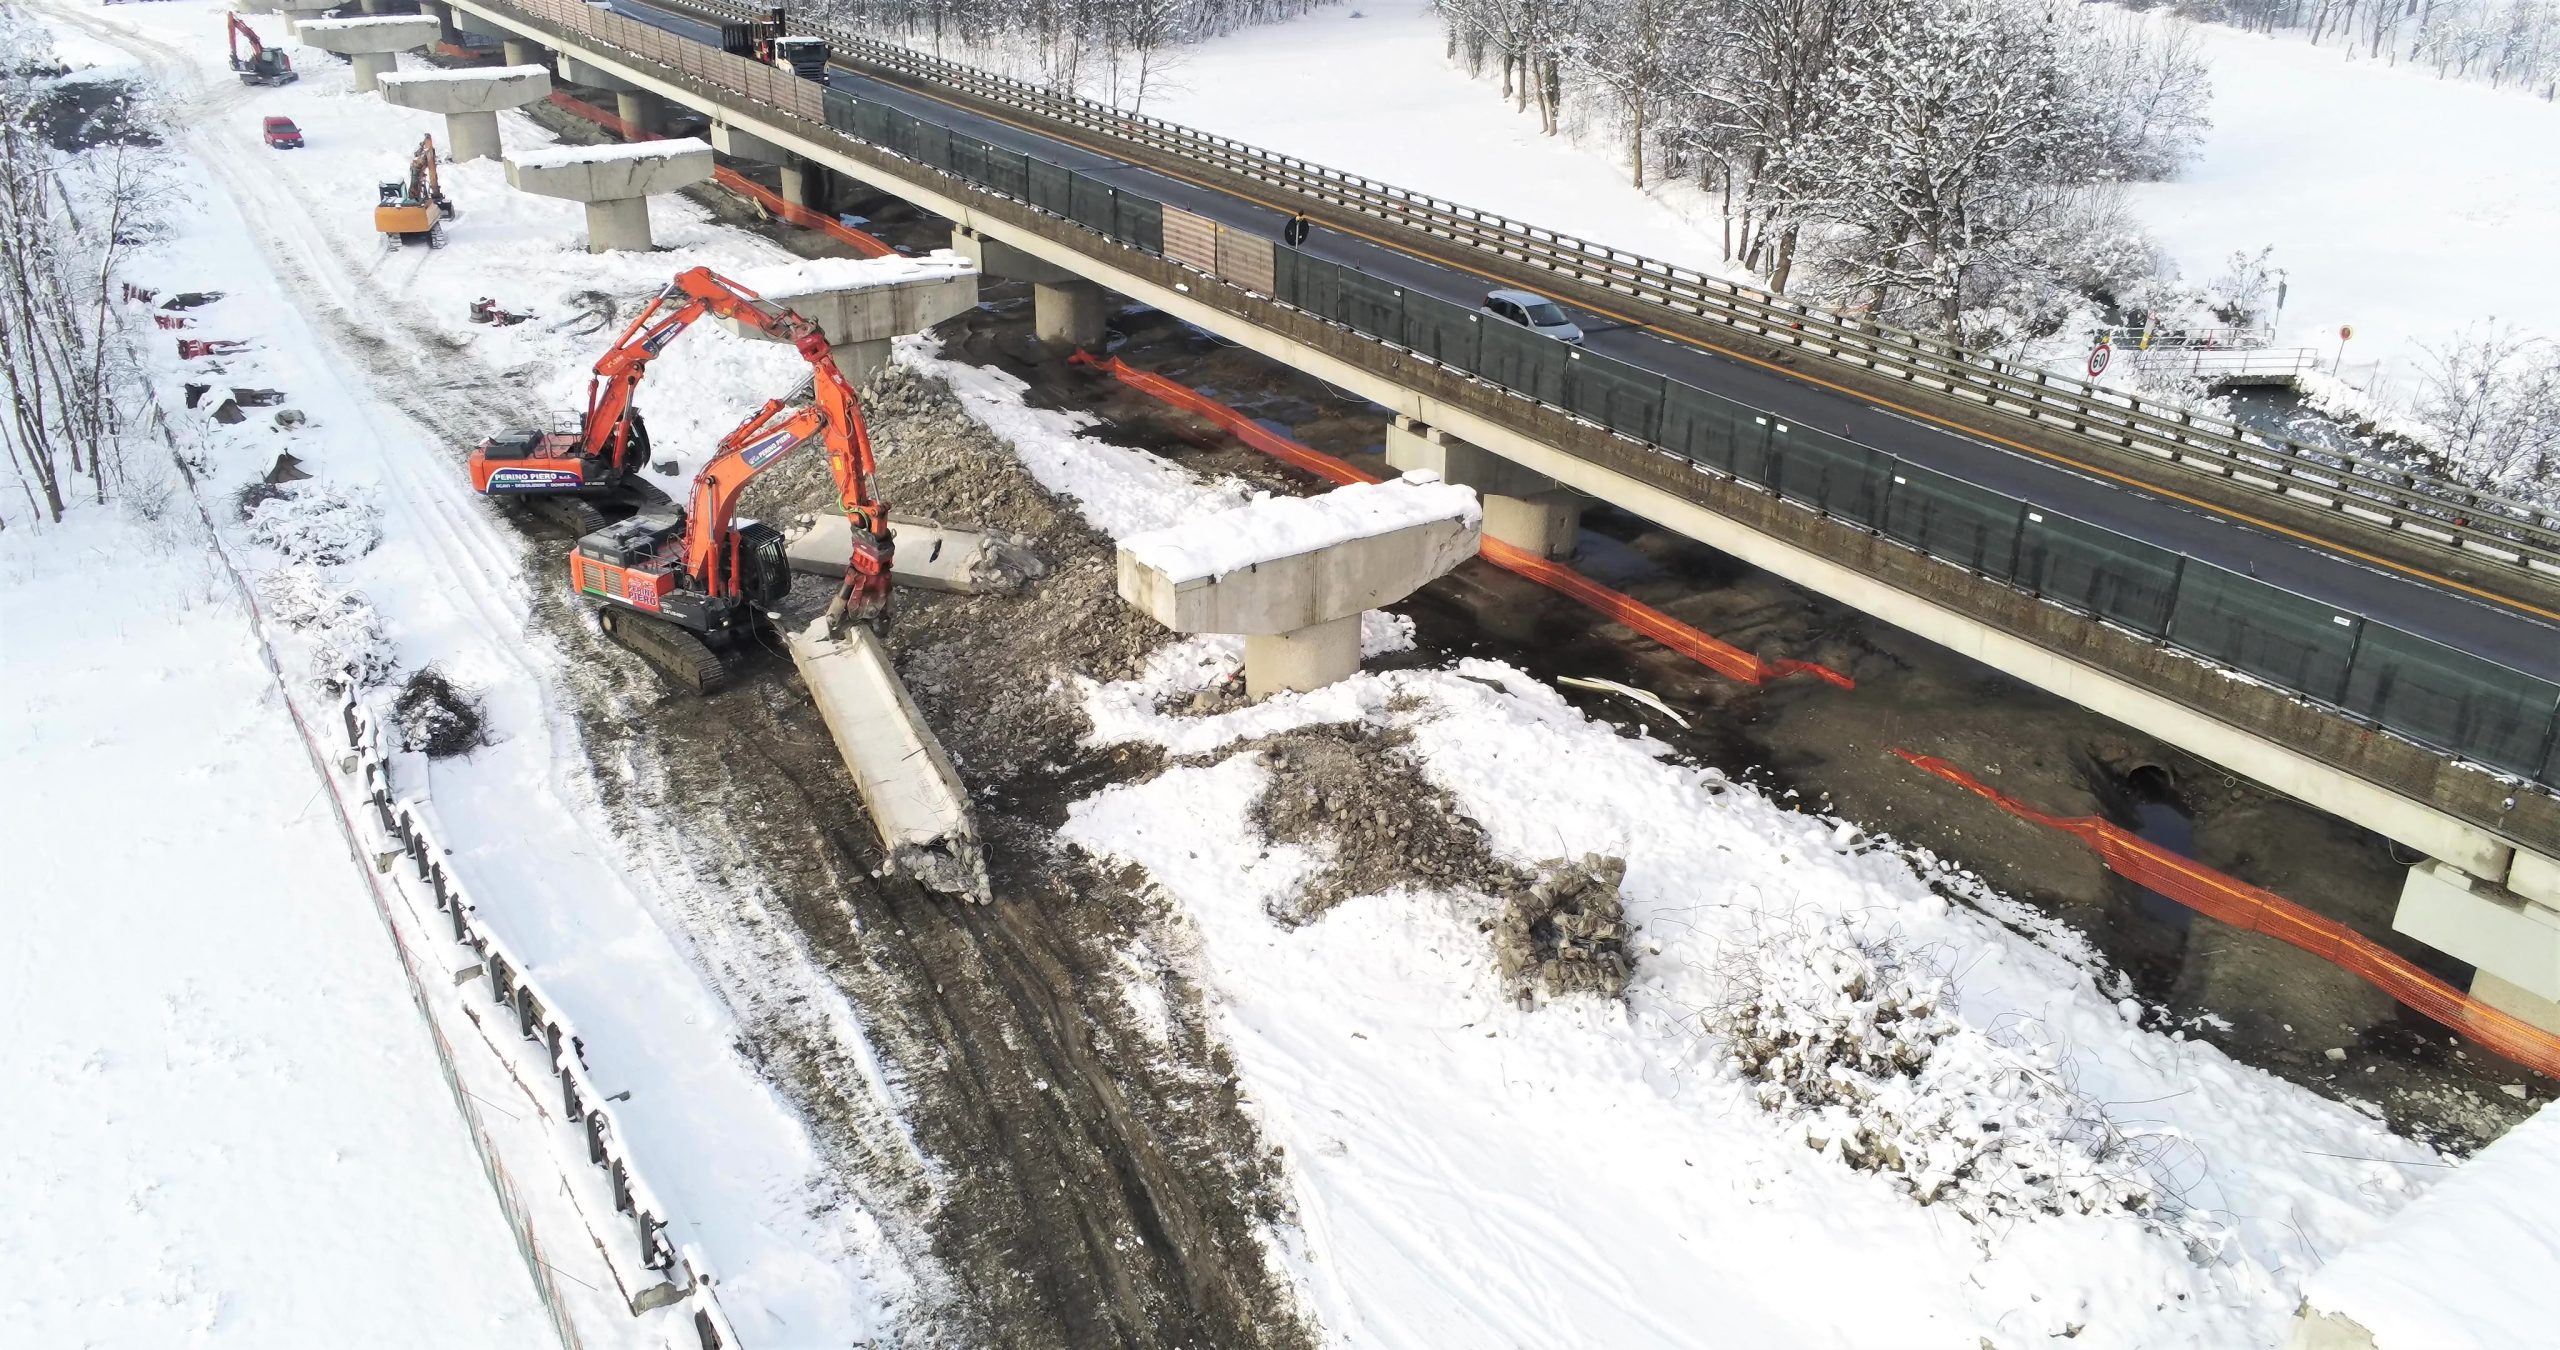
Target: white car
{"type": "Point", "coordinates": [1536, 313]}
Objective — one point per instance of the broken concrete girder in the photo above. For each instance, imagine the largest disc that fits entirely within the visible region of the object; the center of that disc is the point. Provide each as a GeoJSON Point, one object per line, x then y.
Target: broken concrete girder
{"type": "Point", "coordinates": [470, 101]}
{"type": "Point", "coordinates": [615, 181]}
{"type": "Point", "coordinates": [1294, 574]}
{"type": "Point", "coordinates": [861, 303]}
{"type": "Point", "coordinates": [898, 764]}
{"type": "Point", "coordinates": [931, 556]}
{"type": "Point", "coordinates": [374, 42]}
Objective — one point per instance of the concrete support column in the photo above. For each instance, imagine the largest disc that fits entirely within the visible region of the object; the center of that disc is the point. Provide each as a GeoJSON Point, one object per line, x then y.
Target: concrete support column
{"type": "Point", "coordinates": [371, 67]}
{"type": "Point", "coordinates": [522, 53]}
{"type": "Point", "coordinates": [618, 223]}
{"type": "Point", "coordinates": [1259, 570]}
{"type": "Point", "coordinates": [373, 7]}
{"type": "Point", "coordinates": [471, 135]}
{"type": "Point", "coordinates": [641, 109]}
{"type": "Point", "coordinates": [1522, 508]}
{"type": "Point", "coordinates": [797, 178]}
{"type": "Point", "coordinates": [1068, 313]}
{"type": "Point", "coordinates": [859, 361]}
{"type": "Point", "coordinates": [1309, 658]}
{"type": "Point", "coordinates": [2511, 941]}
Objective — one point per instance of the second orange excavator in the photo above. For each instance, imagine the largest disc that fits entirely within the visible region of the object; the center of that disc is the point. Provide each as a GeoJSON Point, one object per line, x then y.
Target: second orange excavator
{"type": "Point", "coordinates": [684, 591]}
{"type": "Point", "coordinates": [612, 442]}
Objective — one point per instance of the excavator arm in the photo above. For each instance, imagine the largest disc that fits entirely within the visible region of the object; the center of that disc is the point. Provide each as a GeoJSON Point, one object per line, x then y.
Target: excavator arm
{"type": "Point", "coordinates": [834, 416]}
{"type": "Point", "coordinates": [239, 30]}
{"type": "Point", "coordinates": [606, 432]}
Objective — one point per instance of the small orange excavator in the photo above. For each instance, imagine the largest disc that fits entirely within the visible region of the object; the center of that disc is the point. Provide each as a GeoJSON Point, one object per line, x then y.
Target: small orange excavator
{"type": "Point", "coordinates": [611, 442]}
{"type": "Point", "coordinates": [416, 208]}
{"type": "Point", "coordinates": [264, 64]}
{"type": "Point", "coordinates": [685, 591]}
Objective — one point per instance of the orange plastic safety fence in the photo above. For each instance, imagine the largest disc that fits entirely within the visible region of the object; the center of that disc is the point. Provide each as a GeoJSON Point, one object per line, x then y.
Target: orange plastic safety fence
{"type": "Point", "coordinates": [1723, 658]}
{"type": "Point", "coordinates": [2242, 905]}
{"type": "Point", "coordinates": [868, 245]}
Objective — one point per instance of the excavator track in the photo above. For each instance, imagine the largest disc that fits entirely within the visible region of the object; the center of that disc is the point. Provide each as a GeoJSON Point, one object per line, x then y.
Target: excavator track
{"type": "Point", "coordinates": [677, 654]}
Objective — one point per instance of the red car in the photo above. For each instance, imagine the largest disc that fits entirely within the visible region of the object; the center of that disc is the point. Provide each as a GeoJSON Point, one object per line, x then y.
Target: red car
{"type": "Point", "coordinates": [281, 133]}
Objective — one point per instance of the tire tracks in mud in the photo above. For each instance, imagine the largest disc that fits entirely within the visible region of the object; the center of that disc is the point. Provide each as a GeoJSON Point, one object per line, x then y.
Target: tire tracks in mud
{"type": "Point", "coordinates": [996, 1122]}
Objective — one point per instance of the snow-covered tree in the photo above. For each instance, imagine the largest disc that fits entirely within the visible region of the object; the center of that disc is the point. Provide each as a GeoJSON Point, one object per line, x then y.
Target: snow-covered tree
{"type": "Point", "coordinates": [2492, 397]}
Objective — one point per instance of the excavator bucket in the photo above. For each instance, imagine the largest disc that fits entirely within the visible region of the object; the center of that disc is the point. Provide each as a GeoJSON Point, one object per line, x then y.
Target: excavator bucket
{"type": "Point", "coordinates": [898, 764]}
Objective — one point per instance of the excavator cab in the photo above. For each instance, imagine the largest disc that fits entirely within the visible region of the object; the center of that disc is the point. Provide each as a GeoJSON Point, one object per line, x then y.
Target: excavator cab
{"type": "Point", "coordinates": [415, 208]}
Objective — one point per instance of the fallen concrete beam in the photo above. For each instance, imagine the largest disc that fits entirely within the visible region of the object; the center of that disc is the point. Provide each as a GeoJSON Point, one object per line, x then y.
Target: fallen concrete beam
{"type": "Point", "coordinates": [907, 783]}
{"type": "Point", "coordinates": [1293, 574]}
{"type": "Point", "coordinates": [373, 43]}
{"type": "Point", "coordinates": [469, 99]}
{"type": "Point", "coordinates": [931, 556]}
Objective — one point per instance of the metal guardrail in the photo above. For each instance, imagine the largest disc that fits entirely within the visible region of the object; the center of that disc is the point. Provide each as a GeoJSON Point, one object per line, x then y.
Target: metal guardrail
{"type": "Point", "coordinates": [2496, 528]}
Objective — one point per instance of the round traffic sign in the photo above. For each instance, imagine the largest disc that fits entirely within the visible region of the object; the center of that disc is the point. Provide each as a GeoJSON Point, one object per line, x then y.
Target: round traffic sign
{"type": "Point", "coordinates": [2098, 359]}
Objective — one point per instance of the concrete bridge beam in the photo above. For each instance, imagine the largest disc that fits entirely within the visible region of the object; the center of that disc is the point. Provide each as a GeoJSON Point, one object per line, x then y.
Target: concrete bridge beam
{"type": "Point", "coordinates": [470, 101]}
{"type": "Point", "coordinates": [1294, 574]}
{"type": "Point", "coordinates": [373, 43]}
{"type": "Point", "coordinates": [862, 303]}
{"type": "Point", "coordinates": [615, 182]}
{"type": "Point", "coordinates": [1522, 507]}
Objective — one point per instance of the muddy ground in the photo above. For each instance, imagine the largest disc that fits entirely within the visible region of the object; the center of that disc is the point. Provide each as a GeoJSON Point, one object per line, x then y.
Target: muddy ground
{"type": "Point", "coordinates": [2263, 1002]}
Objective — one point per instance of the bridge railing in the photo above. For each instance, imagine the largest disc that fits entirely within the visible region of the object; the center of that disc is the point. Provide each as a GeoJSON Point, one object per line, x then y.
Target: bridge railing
{"type": "Point", "coordinates": [2497, 528]}
{"type": "Point", "coordinates": [2414, 687]}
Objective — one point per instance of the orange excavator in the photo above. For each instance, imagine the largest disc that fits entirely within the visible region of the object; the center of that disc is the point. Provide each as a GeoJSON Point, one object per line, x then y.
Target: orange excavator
{"type": "Point", "coordinates": [686, 591]}
{"type": "Point", "coordinates": [611, 442]}
{"type": "Point", "coordinates": [264, 64]}
{"type": "Point", "coordinates": [415, 208]}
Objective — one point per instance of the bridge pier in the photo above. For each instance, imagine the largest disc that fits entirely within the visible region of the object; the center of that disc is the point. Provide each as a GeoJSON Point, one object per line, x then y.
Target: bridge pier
{"type": "Point", "coordinates": [1065, 308]}
{"type": "Point", "coordinates": [615, 182]}
{"type": "Point", "coordinates": [1294, 574]}
{"type": "Point", "coordinates": [519, 52]}
{"type": "Point", "coordinates": [2512, 941]}
{"type": "Point", "coordinates": [1522, 507]}
{"type": "Point", "coordinates": [373, 44]}
{"type": "Point", "coordinates": [862, 303]}
{"type": "Point", "coordinates": [469, 100]}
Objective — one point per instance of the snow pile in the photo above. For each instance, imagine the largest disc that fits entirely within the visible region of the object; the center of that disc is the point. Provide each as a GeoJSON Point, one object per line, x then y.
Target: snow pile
{"type": "Point", "coordinates": [2468, 1266]}
{"type": "Point", "coordinates": [315, 522]}
{"type": "Point", "coordinates": [1272, 528]}
{"type": "Point", "coordinates": [1852, 1031]}
{"type": "Point", "coordinates": [827, 276]}
{"type": "Point", "coordinates": [342, 635]}
{"type": "Point", "coordinates": [564, 156]}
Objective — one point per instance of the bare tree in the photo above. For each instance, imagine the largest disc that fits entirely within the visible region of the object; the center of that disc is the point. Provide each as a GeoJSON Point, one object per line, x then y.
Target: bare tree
{"type": "Point", "coordinates": [2492, 397]}
{"type": "Point", "coordinates": [65, 220]}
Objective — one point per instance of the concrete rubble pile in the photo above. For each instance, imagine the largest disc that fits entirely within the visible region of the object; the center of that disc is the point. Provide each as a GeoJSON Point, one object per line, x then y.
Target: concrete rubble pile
{"type": "Point", "coordinates": [1566, 933]}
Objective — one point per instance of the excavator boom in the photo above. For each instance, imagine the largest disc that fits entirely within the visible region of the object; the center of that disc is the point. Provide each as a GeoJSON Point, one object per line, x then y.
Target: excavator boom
{"type": "Point", "coordinates": [699, 581]}
{"type": "Point", "coordinates": [612, 440]}
{"type": "Point", "coordinates": [264, 64]}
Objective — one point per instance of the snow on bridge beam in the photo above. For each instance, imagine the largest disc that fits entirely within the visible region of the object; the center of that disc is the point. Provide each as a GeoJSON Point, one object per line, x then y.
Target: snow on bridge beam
{"type": "Point", "coordinates": [469, 100]}
{"type": "Point", "coordinates": [1293, 574]}
{"type": "Point", "coordinates": [861, 303]}
{"type": "Point", "coordinates": [615, 181]}
{"type": "Point", "coordinates": [373, 43]}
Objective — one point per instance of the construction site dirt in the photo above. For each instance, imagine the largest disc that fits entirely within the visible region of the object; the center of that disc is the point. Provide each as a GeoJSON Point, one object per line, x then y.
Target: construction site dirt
{"type": "Point", "coordinates": [1829, 750]}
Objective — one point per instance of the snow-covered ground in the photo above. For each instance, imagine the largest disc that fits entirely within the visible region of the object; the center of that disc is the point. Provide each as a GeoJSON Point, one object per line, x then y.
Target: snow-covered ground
{"type": "Point", "coordinates": [1467, 1172]}
{"type": "Point", "coordinates": [2400, 204]}
{"type": "Point", "coordinates": [372, 344]}
{"type": "Point", "coordinates": [225, 1121]}
{"type": "Point", "coordinates": [1367, 88]}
